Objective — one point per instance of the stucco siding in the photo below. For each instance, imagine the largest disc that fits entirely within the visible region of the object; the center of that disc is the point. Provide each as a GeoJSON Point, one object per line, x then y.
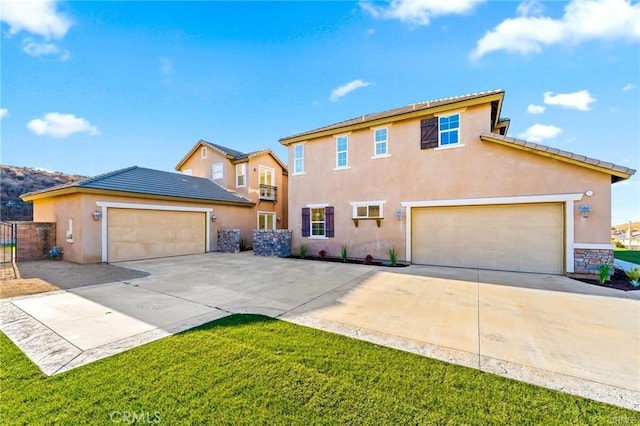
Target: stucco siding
{"type": "Point", "coordinates": [475, 170]}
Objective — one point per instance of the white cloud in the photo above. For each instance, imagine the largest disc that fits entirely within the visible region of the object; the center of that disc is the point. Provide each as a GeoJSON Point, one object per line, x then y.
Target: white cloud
{"type": "Point", "coordinates": [37, 17]}
{"type": "Point", "coordinates": [540, 132]}
{"type": "Point", "coordinates": [530, 8]}
{"type": "Point", "coordinates": [3, 112]}
{"type": "Point", "coordinates": [535, 109]}
{"type": "Point", "coordinates": [370, 32]}
{"type": "Point", "coordinates": [59, 125]}
{"type": "Point", "coordinates": [34, 48]}
{"type": "Point", "coordinates": [582, 20]}
{"type": "Point", "coordinates": [347, 88]}
{"type": "Point", "coordinates": [166, 65]}
{"type": "Point", "coordinates": [577, 100]}
{"type": "Point", "coordinates": [629, 86]}
{"type": "Point", "coordinates": [418, 12]}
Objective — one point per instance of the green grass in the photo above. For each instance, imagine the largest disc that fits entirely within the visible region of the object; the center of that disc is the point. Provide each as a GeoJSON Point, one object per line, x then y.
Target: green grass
{"type": "Point", "coordinates": [254, 370]}
{"type": "Point", "coordinates": [632, 256]}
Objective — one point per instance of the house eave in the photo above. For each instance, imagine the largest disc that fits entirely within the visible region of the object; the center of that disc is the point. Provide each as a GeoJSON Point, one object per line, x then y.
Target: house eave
{"type": "Point", "coordinates": [365, 124]}
{"type": "Point", "coordinates": [128, 194]}
{"type": "Point", "coordinates": [617, 173]}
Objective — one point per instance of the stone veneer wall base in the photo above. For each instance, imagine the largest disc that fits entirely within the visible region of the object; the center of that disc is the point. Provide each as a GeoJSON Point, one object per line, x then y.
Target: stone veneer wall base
{"type": "Point", "coordinates": [588, 261]}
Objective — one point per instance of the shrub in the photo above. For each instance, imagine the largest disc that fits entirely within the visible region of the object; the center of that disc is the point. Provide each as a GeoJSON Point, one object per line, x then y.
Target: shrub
{"type": "Point", "coordinates": [618, 244]}
{"type": "Point", "coordinates": [604, 271]}
{"type": "Point", "coordinates": [393, 256]}
{"type": "Point", "coordinates": [634, 276]}
{"type": "Point", "coordinates": [322, 254]}
{"type": "Point", "coordinates": [344, 253]}
{"type": "Point", "coordinates": [303, 251]}
{"type": "Point", "coordinates": [368, 259]}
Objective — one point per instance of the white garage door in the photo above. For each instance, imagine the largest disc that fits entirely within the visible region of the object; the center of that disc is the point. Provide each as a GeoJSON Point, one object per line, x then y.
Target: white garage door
{"type": "Point", "coordinates": [523, 237]}
{"type": "Point", "coordinates": [143, 234]}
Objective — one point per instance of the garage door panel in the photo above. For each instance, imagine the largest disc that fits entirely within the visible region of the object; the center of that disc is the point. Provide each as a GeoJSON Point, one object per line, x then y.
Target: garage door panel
{"type": "Point", "coordinates": [526, 237]}
{"type": "Point", "coordinates": [144, 234]}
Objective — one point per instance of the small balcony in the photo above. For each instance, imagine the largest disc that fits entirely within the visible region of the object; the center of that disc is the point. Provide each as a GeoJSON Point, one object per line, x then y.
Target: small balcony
{"type": "Point", "coordinates": [268, 192]}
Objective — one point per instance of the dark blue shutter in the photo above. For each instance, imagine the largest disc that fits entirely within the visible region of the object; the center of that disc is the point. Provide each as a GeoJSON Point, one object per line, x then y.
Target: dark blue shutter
{"type": "Point", "coordinates": [328, 217]}
{"type": "Point", "coordinates": [429, 133]}
{"type": "Point", "coordinates": [306, 221]}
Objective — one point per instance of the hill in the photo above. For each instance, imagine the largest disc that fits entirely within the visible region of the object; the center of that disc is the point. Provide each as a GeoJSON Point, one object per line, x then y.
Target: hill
{"type": "Point", "coordinates": [15, 181]}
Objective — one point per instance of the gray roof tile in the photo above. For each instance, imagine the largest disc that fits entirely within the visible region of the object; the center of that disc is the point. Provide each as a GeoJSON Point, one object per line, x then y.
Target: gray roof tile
{"type": "Point", "coordinates": [140, 180]}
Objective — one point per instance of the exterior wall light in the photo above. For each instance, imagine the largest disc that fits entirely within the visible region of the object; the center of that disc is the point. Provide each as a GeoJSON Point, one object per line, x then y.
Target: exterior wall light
{"type": "Point", "coordinates": [213, 218]}
{"type": "Point", "coordinates": [399, 214]}
{"type": "Point", "coordinates": [97, 215]}
{"type": "Point", "coordinates": [585, 210]}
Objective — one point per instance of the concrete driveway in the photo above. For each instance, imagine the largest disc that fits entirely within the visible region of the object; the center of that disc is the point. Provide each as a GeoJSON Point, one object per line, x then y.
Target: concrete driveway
{"type": "Point", "coordinates": [543, 329]}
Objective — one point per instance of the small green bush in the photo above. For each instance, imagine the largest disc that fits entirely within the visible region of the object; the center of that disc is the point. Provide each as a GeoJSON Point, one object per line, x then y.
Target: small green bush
{"type": "Point", "coordinates": [618, 244]}
{"type": "Point", "coordinates": [303, 251]}
{"type": "Point", "coordinates": [344, 253]}
{"type": "Point", "coordinates": [634, 276]}
{"type": "Point", "coordinates": [393, 256]}
{"type": "Point", "coordinates": [604, 271]}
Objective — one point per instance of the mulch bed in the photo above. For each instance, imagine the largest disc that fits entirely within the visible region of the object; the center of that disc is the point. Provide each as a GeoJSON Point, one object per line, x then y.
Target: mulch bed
{"type": "Point", "coordinates": [374, 262]}
{"type": "Point", "coordinates": [618, 281]}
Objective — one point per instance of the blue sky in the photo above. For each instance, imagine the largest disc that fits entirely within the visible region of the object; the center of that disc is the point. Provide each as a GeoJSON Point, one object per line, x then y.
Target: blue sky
{"type": "Point", "coordinates": [89, 87]}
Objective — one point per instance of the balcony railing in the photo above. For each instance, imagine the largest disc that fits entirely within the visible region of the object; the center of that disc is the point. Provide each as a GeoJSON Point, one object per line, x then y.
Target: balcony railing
{"type": "Point", "coordinates": [268, 192]}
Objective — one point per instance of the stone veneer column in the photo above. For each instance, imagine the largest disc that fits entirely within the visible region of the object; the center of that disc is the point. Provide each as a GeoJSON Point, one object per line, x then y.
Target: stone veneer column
{"type": "Point", "coordinates": [272, 242]}
{"type": "Point", "coordinates": [587, 261]}
{"type": "Point", "coordinates": [229, 240]}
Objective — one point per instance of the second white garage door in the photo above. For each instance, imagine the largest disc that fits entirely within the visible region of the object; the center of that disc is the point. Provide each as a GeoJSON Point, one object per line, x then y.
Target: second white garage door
{"type": "Point", "coordinates": [143, 234]}
{"type": "Point", "coordinates": [522, 237]}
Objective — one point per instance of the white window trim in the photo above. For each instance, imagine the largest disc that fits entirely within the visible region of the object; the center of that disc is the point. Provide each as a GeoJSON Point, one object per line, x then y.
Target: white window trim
{"type": "Point", "coordinates": [105, 218]}
{"type": "Point", "coordinates": [450, 146]}
{"type": "Point", "coordinates": [567, 199]}
{"type": "Point", "coordinates": [317, 206]}
{"type": "Point", "coordinates": [375, 143]}
{"type": "Point", "coordinates": [213, 173]}
{"type": "Point", "coordinates": [356, 204]}
{"type": "Point", "coordinates": [266, 214]}
{"type": "Point", "coordinates": [301, 172]}
{"type": "Point", "coordinates": [203, 152]}
{"type": "Point", "coordinates": [69, 233]}
{"type": "Point", "coordinates": [375, 157]}
{"type": "Point", "coordinates": [243, 167]}
{"type": "Point", "coordinates": [273, 174]}
{"type": "Point", "coordinates": [440, 146]}
{"type": "Point", "coordinates": [346, 151]}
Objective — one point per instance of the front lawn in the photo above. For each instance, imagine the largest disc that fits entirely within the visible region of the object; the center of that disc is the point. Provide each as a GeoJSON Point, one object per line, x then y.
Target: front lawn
{"type": "Point", "coordinates": [632, 256]}
{"type": "Point", "coordinates": [248, 369]}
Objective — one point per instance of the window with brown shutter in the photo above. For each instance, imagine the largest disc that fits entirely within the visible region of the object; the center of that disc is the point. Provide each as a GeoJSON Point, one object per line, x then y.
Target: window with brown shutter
{"type": "Point", "coordinates": [429, 133]}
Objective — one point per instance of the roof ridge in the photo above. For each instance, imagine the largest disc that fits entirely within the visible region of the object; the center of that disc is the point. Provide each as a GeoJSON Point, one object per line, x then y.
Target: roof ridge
{"type": "Point", "coordinates": [106, 175]}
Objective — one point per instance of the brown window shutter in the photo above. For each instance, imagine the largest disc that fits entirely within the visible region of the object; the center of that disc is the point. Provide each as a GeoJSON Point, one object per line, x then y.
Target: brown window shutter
{"type": "Point", "coordinates": [328, 217]}
{"type": "Point", "coordinates": [306, 221]}
{"type": "Point", "coordinates": [429, 133]}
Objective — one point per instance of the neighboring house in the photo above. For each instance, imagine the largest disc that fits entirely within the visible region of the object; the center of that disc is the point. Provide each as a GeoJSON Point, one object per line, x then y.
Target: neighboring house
{"type": "Point", "coordinates": [442, 183]}
{"type": "Point", "coordinates": [138, 213]}
{"type": "Point", "coordinates": [620, 235]}
{"type": "Point", "coordinates": [260, 176]}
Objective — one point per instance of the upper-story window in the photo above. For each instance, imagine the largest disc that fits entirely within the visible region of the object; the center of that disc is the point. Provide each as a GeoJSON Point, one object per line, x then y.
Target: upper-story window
{"type": "Point", "coordinates": [380, 142]}
{"type": "Point", "coordinates": [218, 171]}
{"type": "Point", "coordinates": [241, 175]}
{"type": "Point", "coordinates": [449, 129]}
{"type": "Point", "coordinates": [342, 148]}
{"type": "Point", "coordinates": [298, 158]}
{"type": "Point", "coordinates": [203, 152]}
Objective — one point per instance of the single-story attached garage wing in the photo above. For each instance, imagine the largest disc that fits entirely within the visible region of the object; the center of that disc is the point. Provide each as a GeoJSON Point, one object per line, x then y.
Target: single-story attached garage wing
{"type": "Point", "coordinates": [139, 213]}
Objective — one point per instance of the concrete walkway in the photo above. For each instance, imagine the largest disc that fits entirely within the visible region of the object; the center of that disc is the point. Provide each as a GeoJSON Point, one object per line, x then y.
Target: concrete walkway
{"type": "Point", "coordinates": [624, 265]}
{"type": "Point", "coordinates": [543, 329]}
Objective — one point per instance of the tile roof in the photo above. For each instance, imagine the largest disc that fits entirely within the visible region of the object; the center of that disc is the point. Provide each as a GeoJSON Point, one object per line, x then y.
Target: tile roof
{"type": "Point", "coordinates": [226, 151]}
{"type": "Point", "coordinates": [617, 172]}
{"type": "Point", "coordinates": [140, 180]}
{"type": "Point", "coordinates": [397, 111]}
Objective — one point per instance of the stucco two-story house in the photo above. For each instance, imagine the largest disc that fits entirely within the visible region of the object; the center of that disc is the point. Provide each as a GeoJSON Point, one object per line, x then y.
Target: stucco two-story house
{"type": "Point", "coordinates": [443, 184]}
{"type": "Point", "coordinates": [260, 176]}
